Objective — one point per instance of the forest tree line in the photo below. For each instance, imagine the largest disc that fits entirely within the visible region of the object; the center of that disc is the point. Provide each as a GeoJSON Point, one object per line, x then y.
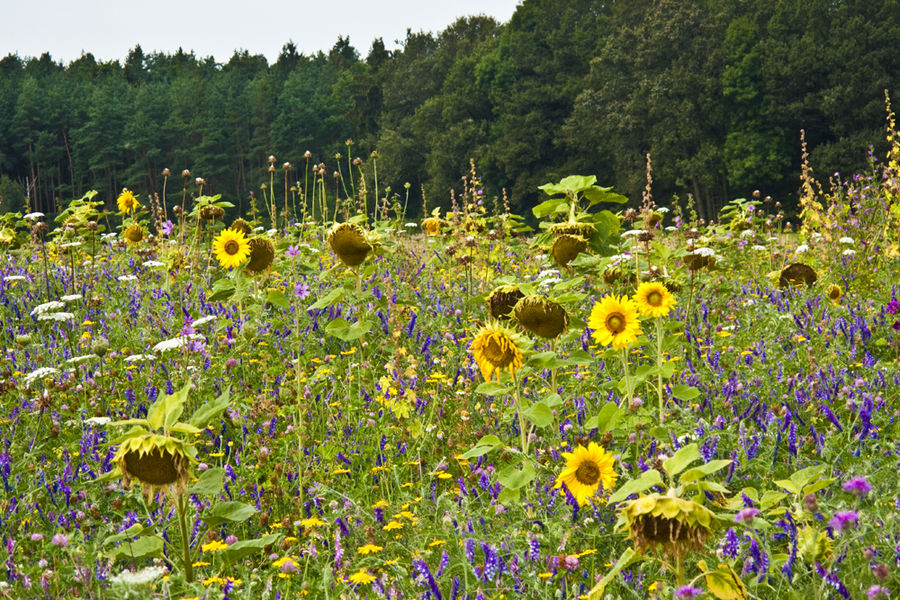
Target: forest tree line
{"type": "Point", "coordinates": [716, 91]}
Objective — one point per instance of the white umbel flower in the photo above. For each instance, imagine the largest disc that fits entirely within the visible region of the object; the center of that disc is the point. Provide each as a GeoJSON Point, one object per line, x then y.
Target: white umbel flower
{"type": "Point", "coordinates": [127, 278]}
{"type": "Point", "coordinates": [176, 342]}
{"type": "Point", "coordinates": [71, 298]}
{"type": "Point", "coordinates": [204, 320]}
{"type": "Point", "coordinates": [136, 578]}
{"type": "Point", "coordinates": [847, 240]}
{"type": "Point", "coordinates": [56, 316]}
{"type": "Point", "coordinates": [47, 307]}
{"type": "Point", "coordinates": [39, 373]}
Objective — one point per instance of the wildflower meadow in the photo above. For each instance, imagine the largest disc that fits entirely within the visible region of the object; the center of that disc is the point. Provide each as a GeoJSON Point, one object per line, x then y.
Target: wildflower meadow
{"type": "Point", "coordinates": [323, 397]}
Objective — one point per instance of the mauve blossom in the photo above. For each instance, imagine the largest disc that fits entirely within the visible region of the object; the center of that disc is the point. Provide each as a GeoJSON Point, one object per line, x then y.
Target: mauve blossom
{"type": "Point", "coordinates": [61, 540]}
{"type": "Point", "coordinates": [843, 519]}
{"type": "Point", "coordinates": [878, 591]}
{"type": "Point", "coordinates": [687, 592]}
{"type": "Point", "coordinates": [858, 486]}
{"type": "Point", "coordinates": [746, 515]}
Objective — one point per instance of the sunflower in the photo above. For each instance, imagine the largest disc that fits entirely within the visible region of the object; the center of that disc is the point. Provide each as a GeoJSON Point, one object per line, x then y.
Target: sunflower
{"type": "Point", "coordinates": [241, 225]}
{"type": "Point", "coordinates": [432, 225]}
{"type": "Point", "coordinates": [797, 274]}
{"type": "Point", "coordinates": [348, 241]}
{"type": "Point", "coordinates": [134, 233]}
{"type": "Point", "coordinates": [158, 462]}
{"type": "Point", "coordinates": [262, 254]}
{"type": "Point", "coordinates": [541, 317]}
{"type": "Point", "coordinates": [496, 349]}
{"type": "Point", "coordinates": [503, 299]}
{"type": "Point", "coordinates": [835, 293]}
{"type": "Point", "coordinates": [127, 201]}
{"type": "Point", "coordinates": [667, 523]}
{"type": "Point", "coordinates": [231, 248]}
{"type": "Point", "coordinates": [586, 470]}
{"type": "Point", "coordinates": [653, 299]}
{"type": "Point", "coordinates": [614, 321]}
{"type": "Point", "coordinates": [566, 247]}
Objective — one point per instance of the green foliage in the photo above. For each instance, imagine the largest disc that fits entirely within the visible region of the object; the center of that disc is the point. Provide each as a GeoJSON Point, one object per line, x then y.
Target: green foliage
{"type": "Point", "coordinates": [12, 196]}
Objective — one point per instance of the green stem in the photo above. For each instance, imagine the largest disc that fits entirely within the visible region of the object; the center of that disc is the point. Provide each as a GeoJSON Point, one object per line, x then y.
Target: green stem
{"type": "Point", "coordinates": [185, 545]}
{"type": "Point", "coordinates": [523, 434]}
{"type": "Point", "coordinates": [629, 393]}
{"type": "Point", "coordinates": [659, 362]}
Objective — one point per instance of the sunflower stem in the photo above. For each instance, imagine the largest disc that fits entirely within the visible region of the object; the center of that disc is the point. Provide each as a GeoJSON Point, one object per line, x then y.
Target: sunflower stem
{"type": "Point", "coordinates": [185, 545]}
{"type": "Point", "coordinates": [628, 390]}
{"type": "Point", "coordinates": [659, 361]}
{"type": "Point", "coordinates": [523, 434]}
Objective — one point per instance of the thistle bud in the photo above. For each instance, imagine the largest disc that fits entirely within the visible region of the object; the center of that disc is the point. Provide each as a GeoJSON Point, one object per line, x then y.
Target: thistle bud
{"type": "Point", "coordinates": [357, 161]}
{"type": "Point", "coordinates": [200, 181]}
{"type": "Point", "coordinates": [186, 173]}
{"type": "Point", "coordinates": [166, 172]}
{"type": "Point", "coordinates": [271, 158]}
{"type": "Point", "coordinates": [756, 194]}
{"type": "Point", "coordinates": [307, 154]}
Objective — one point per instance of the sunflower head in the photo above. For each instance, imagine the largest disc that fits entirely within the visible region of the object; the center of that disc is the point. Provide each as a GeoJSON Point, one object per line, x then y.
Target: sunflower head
{"type": "Point", "coordinates": [503, 299]}
{"type": "Point", "coordinates": [262, 254]}
{"type": "Point", "coordinates": [667, 524]}
{"type": "Point", "coordinates": [835, 293]}
{"type": "Point", "coordinates": [433, 225]}
{"type": "Point", "coordinates": [497, 349]}
{"type": "Point", "coordinates": [588, 471]}
{"type": "Point", "coordinates": [566, 247]}
{"type": "Point", "coordinates": [614, 321]}
{"type": "Point", "coordinates": [242, 226]}
{"type": "Point", "coordinates": [585, 230]}
{"type": "Point", "coordinates": [797, 274]}
{"type": "Point", "coordinates": [212, 213]}
{"type": "Point", "coordinates": [231, 248]}
{"type": "Point", "coordinates": [815, 546]}
{"type": "Point", "coordinates": [348, 241]}
{"type": "Point", "coordinates": [127, 201]}
{"type": "Point", "coordinates": [134, 233]}
{"type": "Point", "coordinates": [697, 262]}
{"type": "Point", "coordinates": [542, 317]}
{"type": "Point", "coordinates": [653, 299]}
{"type": "Point", "coordinates": [158, 462]}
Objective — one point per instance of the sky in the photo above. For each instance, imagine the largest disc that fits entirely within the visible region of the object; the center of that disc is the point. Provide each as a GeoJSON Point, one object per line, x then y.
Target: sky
{"type": "Point", "coordinates": [109, 29]}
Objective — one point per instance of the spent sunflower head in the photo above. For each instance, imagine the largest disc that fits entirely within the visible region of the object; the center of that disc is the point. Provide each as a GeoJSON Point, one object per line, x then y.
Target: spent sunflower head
{"type": "Point", "coordinates": [541, 317]}
{"type": "Point", "coordinates": [262, 254]}
{"type": "Point", "coordinates": [503, 299]}
{"type": "Point", "coordinates": [127, 201]}
{"type": "Point", "coordinates": [158, 462]}
{"type": "Point", "coordinates": [667, 523]}
{"type": "Point", "coordinates": [134, 234]}
{"type": "Point", "coordinates": [653, 299]}
{"type": "Point", "coordinates": [566, 247]}
{"type": "Point", "coordinates": [497, 349]}
{"type": "Point", "coordinates": [614, 321]}
{"type": "Point", "coordinates": [242, 226]}
{"type": "Point", "coordinates": [231, 248]}
{"type": "Point", "coordinates": [797, 274]}
{"type": "Point", "coordinates": [348, 241]}
{"type": "Point", "coordinates": [588, 470]}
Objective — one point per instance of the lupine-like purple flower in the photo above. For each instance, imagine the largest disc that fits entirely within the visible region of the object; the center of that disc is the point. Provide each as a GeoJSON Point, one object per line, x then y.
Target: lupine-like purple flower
{"type": "Point", "coordinates": [844, 519]}
{"type": "Point", "coordinates": [731, 545]}
{"type": "Point", "coordinates": [858, 486]}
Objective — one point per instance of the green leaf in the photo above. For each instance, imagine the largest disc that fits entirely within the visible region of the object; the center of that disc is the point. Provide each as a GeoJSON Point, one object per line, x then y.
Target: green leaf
{"type": "Point", "coordinates": [679, 461]}
{"type": "Point", "coordinates": [805, 476]}
{"type": "Point", "coordinates": [539, 414]}
{"type": "Point", "coordinates": [548, 206]}
{"type": "Point", "coordinates": [646, 481]}
{"type": "Point", "coordinates": [245, 548]}
{"type": "Point", "coordinates": [789, 485]}
{"type": "Point", "coordinates": [770, 499]}
{"type": "Point", "coordinates": [235, 512]}
{"type": "Point", "coordinates": [627, 558]}
{"type": "Point", "coordinates": [490, 388]}
{"type": "Point", "coordinates": [508, 497]}
{"type": "Point", "coordinates": [685, 393]}
{"type": "Point", "coordinates": [277, 298]}
{"type": "Point", "coordinates": [816, 486]}
{"type": "Point", "coordinates": [512, 478]}
{"type": "Point", "coordinates": [139, 548]}
{"type": "Point", "coordinates": [698, 473]}
{"type": "Point", "coordinates": [335, 295]}
{"type": "Point", "coordinates": [606, 420]}
{"type": "Point", "coordinates": [545, 360]}
{"type": "Point", "coordinates": [597, 195]}
{"type": "Point", "coordinates": [209, 483]}
{"type": "Point", "coordinates": [221, 290]}
{"type": "Point", "coordinates": [186, 428]}
{"type": "Point", "coordinates": [724, 583]}
{"type": "Point", "coordinates": [483, 446]}
{"type": "Point", "coordinates": [667, 369]}
{"type": "Point", "coordinates": [573, 183]}
{"type": "Point", "coordinates": [340, 329]}
{"type": "Point", "coordinates": [166, 410]}
{"type": "Point", "coordinates": [211, 411]}
{"type": "Point", "coordinates": [133, 531]}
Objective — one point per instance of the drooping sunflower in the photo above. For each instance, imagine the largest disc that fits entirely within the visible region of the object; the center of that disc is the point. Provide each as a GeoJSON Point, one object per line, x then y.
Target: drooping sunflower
{"type": "Point", "coordinates": [673, 525]}
{"type": "Point", "coordinates": [835, 293]}
{"type": "Point", "coordinates": [262, 254]}
{"type": "Point", "coordinates": [241, 225]}
{"type": "Point", "coordinates": [127, 201]}
{"type": "Point", "coordinates": [158, 462]}
{"type": "Point", "coordinates": [503, 299]}
{"type": "Point", "coordinates": [134, 233]}
{"type": "Point", "coordinates": [614, 321]}
{"type": "Point", "coordinates": [566, 247]}
{"type": "Point", "coordinates": [231, 248]}
{"type": "Point", "coordinates": [587, 469]}
{"type": "Point", "coordinates": [348, 241]}
{"type": "Point", "coordinates": [541, 317]}
{"type": "Point", "coordinates": [496, 349]}
{"type": "Point", "coordinates": [653, 299]}
{"type": "Point", "coordinates": [797, 274]}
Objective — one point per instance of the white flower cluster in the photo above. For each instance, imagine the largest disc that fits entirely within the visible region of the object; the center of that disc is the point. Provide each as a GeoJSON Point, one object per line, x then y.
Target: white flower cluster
{"type": "Point", "coordinates": [138, 358]}
{"type": "Point", "coordinates": [39, 373]}
{"type": "Point", "coordinates": [71, 298]}
{"type": "Point", "coordinates": [802, 248]}
{"type": "Point", "coordinates": [152, 264]}
{"type": "Point", "coordinates": [548, 277]}
{"type": "Point", "coordinates": [847, 240]}
{"type": "Point", "coordinates": [849, 252]}
{"type": "Point", "coordinates": [176, 342]}
{"type": "Point", "coordinates": [204, 320]}
{"type": "Point", "coordinates": [98, 420]}
{"type": "Point", "coordinates": [47, 307]}
{"type": "Point", "coordinates": [704, 251]}
{"type": "Point", "coordinates": [142, 577]}
{"type": "Point", "coordinates": [32, 216]}
{"type": "Point", "coordinates": [56, 316]}
{"type": "Point", "coordinates": [80, 359]}
{"type": "Point", "coordinates": [15, 278]}
{"type": "Point", "coordinates": [127, 277]}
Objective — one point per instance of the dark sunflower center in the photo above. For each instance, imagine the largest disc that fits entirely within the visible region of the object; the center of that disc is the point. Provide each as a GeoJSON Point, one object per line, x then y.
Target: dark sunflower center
{"type": "Point", "coordinates": [232, 247]}
{"type": "Point", "coordinates": [615, 322]}
{"type": "Point", "coordinates": [654, 299]}
{"type": "Point", "coordinates": [588, 473]}
{"type": "Point", "coordinates": [835, 294]}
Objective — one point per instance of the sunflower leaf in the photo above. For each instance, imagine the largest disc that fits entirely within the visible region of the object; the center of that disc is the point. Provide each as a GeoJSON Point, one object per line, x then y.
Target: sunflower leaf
{"type": "Point", "coordinates": [141, 547]}
{"type": "Point", "coordinates": [698, 473]}
{"type": "Point", "coordinates": [278, 298]}
{"type": "Point", "coordinates": [235, 512]}
{"type": "Point", "coordinates": [646, 481]}
{"type": "Point", "coordinates": [679, 461]}
{"type": "Point", "coordinates": [628, 557]}
{"type": "Point", "coordinates": [210, 411]}
{"type": "Point", "coordinates": [513, 478]}
{"type": "Point", "coordinates": [245, 548]}
{"type": "Point", "coordinates": [490, 388]}
{"type": "Point", "coordinates": [685, 393]}
{"type": "Point", "coordinates": [539, 414]}
{"type": "Point", "coordinates": [209, 483]}
{"type": "Point", "coordinates": [606, 419]}
{"type": "Point", "coordinates": [335, 295]}
{"type": "Point", "coordinates": [221, 290]}
{"type": "Point", "coordinates": [483, 446]}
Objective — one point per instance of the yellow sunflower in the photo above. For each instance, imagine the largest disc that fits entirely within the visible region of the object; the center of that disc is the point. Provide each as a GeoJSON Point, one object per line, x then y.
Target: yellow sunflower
{"type": "Point", "coordinates": [614, 321]}
{"type": "Point", "coordinates": [127, 201]}
{"type": "Point", "coordinates": [586, 469]}
{"type": "Point", "coordinates": [496, 348]}
{"type": "Point", "coordinates": [835, 293]}
{"type": "Point", "coordinates": [653, 299]}
{"type": "Point", "coordinates": [231, 248]}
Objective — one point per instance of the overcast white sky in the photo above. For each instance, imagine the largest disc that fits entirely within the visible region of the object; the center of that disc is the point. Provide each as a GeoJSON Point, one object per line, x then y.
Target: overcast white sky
{"type": "Point", "coordinates": [110, 28]}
